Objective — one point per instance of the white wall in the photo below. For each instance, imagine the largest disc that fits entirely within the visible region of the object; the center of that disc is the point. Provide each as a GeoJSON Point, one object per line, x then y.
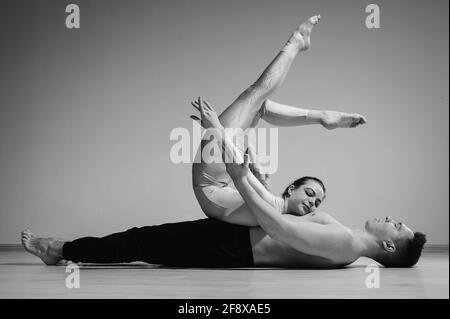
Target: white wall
{"type": "Point", "coordinates": [85, 115]}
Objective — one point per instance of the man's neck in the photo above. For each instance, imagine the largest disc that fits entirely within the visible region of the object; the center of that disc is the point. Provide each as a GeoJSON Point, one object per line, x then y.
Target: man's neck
{"type": "Point", "coordinates": [366, 244]}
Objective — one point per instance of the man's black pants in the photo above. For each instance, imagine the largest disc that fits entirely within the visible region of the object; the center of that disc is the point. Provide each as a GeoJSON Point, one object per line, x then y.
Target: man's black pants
{"type": "Point", "coordinates": [200, 243]}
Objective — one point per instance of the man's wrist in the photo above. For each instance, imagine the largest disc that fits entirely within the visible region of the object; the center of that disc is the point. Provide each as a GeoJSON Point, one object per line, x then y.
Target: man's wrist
{"type": "Point", "coordinates": [240, 180]}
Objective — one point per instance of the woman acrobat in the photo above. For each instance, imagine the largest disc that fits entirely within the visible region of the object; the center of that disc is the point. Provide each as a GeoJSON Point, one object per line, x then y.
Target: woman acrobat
{"type": "Point", "coordinates": [211, 183]}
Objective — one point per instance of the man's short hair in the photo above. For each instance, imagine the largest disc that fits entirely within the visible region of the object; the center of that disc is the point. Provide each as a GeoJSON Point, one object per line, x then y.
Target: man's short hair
{"type": "Point", "coordinates": [407, 254]}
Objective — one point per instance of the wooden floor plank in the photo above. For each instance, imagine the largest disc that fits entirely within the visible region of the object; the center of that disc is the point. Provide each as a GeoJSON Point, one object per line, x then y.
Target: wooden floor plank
{"type": "Point", "coordinates": [24, 276]}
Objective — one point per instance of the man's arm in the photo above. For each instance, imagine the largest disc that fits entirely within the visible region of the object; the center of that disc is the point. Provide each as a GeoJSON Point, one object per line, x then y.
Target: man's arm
{"type": "Point", "coordinates": [306, 237]}
{"type": "Point", "coordinates": [262, 190]}
{"type": "Point", "coordinates": [268, 218]}
{"type": "Point", "coordinates": [235, 155]}
{"type": "Point", "coordinates": [230, 152]}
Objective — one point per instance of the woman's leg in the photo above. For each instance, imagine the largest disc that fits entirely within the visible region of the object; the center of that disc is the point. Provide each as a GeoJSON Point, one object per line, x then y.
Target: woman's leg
{"type": "Point", "coordinates": [285, 115]}
{"type": "Point", "coordinates": [242, 113]}
{"type": "Point", "coordinates": [210, 180]}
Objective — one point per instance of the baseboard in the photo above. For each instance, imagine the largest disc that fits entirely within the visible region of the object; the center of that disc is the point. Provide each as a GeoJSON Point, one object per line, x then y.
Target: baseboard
{"type": "Point", "coordinates": [435, 248]}
{"type": "Point", "coordinates": [8, 247]}
{"type": "Point", "coordinates": [430, 248]}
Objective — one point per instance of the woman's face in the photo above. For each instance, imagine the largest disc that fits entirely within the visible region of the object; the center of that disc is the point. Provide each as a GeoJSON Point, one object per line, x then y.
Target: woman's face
{"type": "Point", "coordinates": [305, 199]}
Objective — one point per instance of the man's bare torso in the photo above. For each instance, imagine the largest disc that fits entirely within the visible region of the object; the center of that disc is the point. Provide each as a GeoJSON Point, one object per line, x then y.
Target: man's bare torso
{"type": "Point", "coordinates": [272, 253]}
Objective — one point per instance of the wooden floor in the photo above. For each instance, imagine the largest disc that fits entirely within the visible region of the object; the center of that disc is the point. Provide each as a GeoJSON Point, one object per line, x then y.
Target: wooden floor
{"type": "Point", "coordinates": [24, 276]}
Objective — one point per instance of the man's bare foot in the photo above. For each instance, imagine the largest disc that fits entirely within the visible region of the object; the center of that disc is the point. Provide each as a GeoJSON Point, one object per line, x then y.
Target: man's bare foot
{"type": "Point", "coordinates": [332, 120]}
{"type": "Point", "coordinates": [49, 250]}
{"type": "Point", "coordinates": [303, 32]}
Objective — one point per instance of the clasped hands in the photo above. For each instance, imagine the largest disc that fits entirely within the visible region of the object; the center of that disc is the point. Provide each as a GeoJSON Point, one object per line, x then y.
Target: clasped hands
{"type": "Point", "coordinates": [235, 167]}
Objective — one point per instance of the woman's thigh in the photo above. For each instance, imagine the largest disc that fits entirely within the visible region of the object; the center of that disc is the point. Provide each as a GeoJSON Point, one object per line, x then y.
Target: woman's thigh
{"type": "Point", "coordinates": [217, 201]}
{"type": "Point", "coordinates": [226, 204]}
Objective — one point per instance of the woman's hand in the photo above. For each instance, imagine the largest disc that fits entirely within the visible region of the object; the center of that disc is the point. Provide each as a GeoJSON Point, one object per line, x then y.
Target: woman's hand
{"type": "Point", "coordinates": [256, 168]}
{"type": "Point", "coordinates": [209, 118]}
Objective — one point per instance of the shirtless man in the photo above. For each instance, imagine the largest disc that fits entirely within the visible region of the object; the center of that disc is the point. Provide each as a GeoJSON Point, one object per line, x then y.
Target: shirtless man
{"type": "Point", "coordinates": [211, 183]}
{"type": "Point", "coordinates": [303, 239]}
{"type": "Point", "coordinates": [314, 240]}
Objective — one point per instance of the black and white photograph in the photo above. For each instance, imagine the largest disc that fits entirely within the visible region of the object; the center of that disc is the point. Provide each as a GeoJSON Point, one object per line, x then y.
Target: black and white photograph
{"type": "Point", "coordinates": [224, 154]}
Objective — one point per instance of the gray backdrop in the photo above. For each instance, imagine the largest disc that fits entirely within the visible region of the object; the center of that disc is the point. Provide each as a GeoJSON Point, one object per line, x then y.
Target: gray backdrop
{"type": "Point", "coordinates": [85, 115]}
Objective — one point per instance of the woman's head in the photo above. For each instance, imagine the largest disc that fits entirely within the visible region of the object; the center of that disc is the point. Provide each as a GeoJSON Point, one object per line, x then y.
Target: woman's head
{"type": "Point", "coordinates": [304, 195]}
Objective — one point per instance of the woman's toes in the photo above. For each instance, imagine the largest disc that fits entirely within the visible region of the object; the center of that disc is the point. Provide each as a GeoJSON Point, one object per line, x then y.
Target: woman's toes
{"type": "Point", "coordinates": [315, 19]}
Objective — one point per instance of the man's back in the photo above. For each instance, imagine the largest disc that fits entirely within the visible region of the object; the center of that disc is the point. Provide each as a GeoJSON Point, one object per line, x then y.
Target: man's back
{"type": "Point", "coordinates": [270, 252]}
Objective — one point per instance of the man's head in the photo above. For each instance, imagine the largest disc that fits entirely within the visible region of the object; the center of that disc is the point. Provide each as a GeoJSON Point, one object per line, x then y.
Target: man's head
{"type": "Point", "coordinates": [304, 195]}
{"type": "Point", "coordinates": [399, 245]}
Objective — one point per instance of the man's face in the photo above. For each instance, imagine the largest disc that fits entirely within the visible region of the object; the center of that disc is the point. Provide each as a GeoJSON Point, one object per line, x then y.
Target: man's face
{"type": "Point", "coordinates": [306, 198]}
{"type": "Point", "coordinates": [387, 229]}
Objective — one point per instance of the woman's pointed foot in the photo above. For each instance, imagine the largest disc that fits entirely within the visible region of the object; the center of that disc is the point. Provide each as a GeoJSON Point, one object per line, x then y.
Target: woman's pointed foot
{"type": "Point", "coordinates": [303, 32]}
{"type": "Point", "coordinates": [332, 120]}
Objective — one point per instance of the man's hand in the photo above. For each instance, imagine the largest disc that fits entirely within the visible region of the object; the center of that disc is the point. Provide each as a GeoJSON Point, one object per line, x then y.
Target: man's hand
{"type": "Point", "coordinates": [209, 118]}
{"type": "Point", "coordinates": [237, 171]}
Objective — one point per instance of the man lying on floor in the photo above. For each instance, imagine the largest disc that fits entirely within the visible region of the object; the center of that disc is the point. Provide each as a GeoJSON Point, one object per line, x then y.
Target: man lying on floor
{"type": "Point", "coordinates": [315, 240]}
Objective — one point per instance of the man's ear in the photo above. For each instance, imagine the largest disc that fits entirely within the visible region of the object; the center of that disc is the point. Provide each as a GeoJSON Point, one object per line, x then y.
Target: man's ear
{"type": "Point", "coordinates": [389, 246]}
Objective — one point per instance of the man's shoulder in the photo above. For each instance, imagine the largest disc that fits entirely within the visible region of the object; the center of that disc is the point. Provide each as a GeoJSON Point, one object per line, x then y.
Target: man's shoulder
{"type": "Point", "coordinates": [324, 218]}
{"type": "Point", "coordinates": [334, 227]}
